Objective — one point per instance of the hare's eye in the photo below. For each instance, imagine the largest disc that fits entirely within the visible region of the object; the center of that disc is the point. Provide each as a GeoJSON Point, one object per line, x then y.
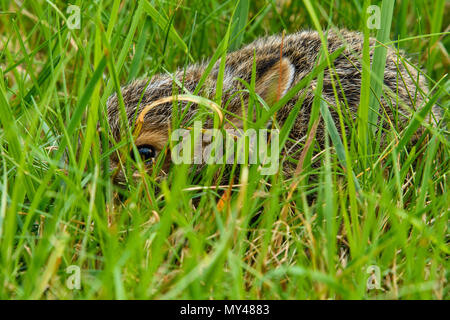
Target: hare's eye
{"type": "Point", "coordinates": [146, 152]}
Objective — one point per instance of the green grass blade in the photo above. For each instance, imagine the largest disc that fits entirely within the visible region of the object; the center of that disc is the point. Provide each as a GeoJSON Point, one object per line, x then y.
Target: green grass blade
{"type": "Point", "coordinates": [379, 62]}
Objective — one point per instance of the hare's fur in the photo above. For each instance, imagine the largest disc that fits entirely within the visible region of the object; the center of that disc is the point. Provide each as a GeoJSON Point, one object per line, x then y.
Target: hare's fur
{"type": "Point", "coordinates": [405, 87]}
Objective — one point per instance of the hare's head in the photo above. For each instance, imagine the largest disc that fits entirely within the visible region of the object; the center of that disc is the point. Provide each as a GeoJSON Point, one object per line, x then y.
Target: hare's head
{"type": "Point", "coordinates": [273, 79]}
{"type": "Point", "coordinates": [153, 135]}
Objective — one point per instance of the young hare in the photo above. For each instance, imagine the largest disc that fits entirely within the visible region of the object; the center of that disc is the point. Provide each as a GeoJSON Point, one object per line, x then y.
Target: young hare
{"type": "Point", "coordinates": [280, 64]}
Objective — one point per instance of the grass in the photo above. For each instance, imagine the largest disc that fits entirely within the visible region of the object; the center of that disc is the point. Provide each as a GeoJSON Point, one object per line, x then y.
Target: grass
{"type": "Point", "coordinates": [184, 237]}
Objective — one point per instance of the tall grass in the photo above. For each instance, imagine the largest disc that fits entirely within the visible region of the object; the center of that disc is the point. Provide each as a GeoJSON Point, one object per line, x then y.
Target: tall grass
{"type": "Point", "coordinates": [374, 207]}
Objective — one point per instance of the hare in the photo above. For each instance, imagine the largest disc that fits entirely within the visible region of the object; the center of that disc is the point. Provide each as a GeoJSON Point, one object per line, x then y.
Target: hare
{"type": "Point", "coordinates": [280, 62]}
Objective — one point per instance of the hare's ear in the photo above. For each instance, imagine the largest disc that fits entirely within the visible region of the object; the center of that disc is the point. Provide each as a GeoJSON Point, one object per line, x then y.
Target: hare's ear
{"type": "Point", "coordinates": [273, 84]}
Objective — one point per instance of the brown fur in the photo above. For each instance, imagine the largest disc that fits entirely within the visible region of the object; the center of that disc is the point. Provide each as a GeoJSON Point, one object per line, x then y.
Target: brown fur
{"type": "Point", "coordinates": [273, 79]}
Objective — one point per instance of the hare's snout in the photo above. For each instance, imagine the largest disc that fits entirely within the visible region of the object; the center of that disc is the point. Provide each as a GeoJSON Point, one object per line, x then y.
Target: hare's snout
{"type": "Point", "coordinates": [121, 176]}
{"type": "Point", "coordinates": [149, 145]}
